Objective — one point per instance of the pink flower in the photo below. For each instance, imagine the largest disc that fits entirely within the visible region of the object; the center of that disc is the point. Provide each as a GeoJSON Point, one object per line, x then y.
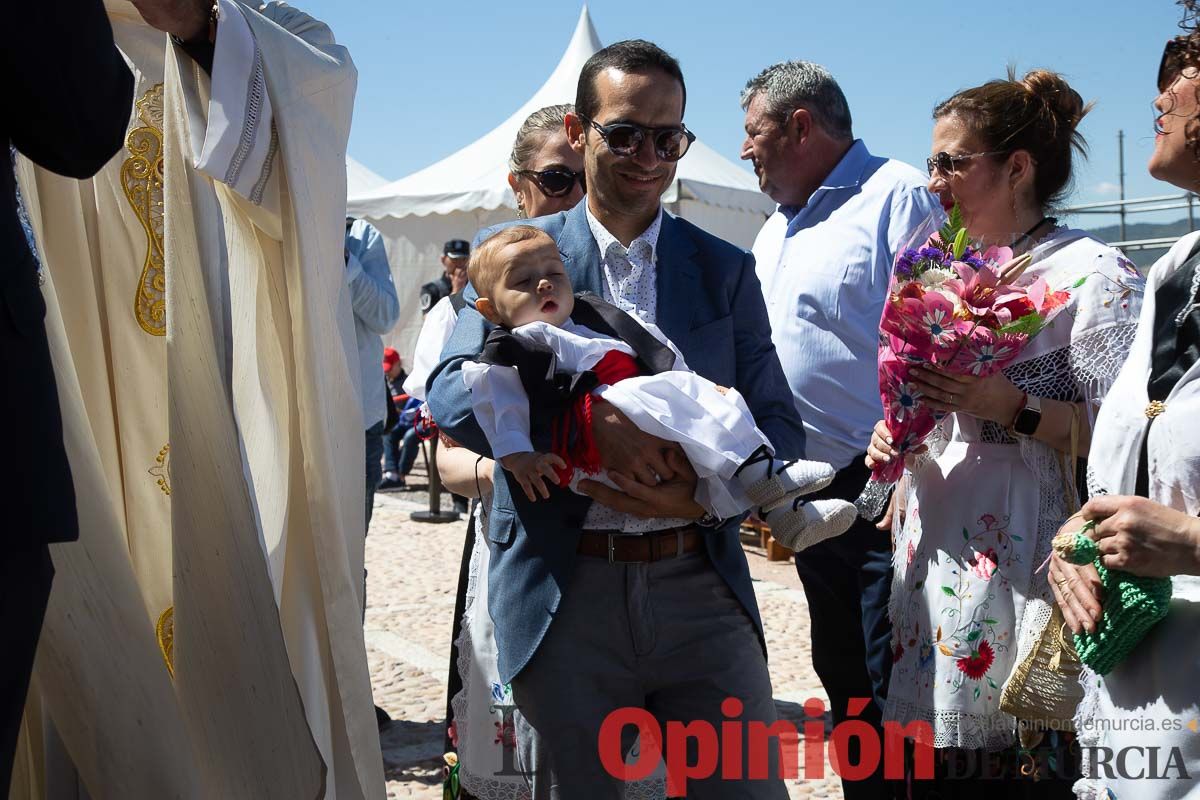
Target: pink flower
{"type": "Point", "coordinates": [965, 271]}
{"type": "Point", "coordinates": [998, 255]}
{"type": "Point", "coordinates": [937, 319]}
{"type": "Point", "coordinates": [903, 402]}
{"type": "Point", "coordinates": [1043, 299]}
{"type": "Point", "coordinates": [988, 352]}
{"type": "Point", "coordinates": [1012, 306]}
{"type": "Point", "coordinates": [910, 553]}
{"type": "Point", "coordinates": [984, 564]}
{"type": "Point", "coordinates": [980, 291]}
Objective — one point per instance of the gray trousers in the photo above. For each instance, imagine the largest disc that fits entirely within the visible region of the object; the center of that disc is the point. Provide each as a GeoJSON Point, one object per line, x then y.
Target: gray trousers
{"type": "Point", "coordinates": [669, 637]}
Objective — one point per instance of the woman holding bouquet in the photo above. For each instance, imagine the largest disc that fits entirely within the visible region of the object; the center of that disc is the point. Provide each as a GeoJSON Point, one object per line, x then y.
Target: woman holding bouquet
{"type": "Point", "coordinates": [998, 480]}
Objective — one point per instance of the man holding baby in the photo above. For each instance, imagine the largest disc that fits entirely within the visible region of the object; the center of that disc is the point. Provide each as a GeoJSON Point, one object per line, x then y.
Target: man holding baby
{"type": "Point", "coordinates": [631, 596]}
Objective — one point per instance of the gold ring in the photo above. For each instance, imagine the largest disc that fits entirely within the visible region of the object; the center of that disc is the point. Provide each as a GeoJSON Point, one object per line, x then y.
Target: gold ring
{"type": "Point", "coordinates": [1061, 582]}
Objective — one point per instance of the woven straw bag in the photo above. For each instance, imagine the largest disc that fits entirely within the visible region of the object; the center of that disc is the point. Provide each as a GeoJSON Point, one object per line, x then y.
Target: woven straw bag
{"type": "Point", "coordinates": [1044, 688]}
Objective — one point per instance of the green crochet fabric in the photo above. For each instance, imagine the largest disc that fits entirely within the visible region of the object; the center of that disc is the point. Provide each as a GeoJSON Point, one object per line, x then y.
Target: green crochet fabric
{"type": "Point", "coordinates": [1131, 606]}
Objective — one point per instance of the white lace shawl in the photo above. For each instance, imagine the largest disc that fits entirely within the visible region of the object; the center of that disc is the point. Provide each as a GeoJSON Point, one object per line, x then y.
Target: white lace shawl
{"type": "Point", "coordinates": [1079, 366]}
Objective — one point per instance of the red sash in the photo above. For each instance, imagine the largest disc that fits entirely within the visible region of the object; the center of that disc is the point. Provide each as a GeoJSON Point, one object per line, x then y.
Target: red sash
{"type": "Point", "coordinates": [572, 436]}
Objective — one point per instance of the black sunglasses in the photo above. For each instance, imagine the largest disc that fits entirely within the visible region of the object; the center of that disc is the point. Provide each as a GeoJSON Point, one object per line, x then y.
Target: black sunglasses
{"type": "Point", "coordinates": [556, 181]}
{"type": "Point", "coordinates": [1172, 62]}
{"type": "Point", "coordinates": [946, 164]}
{"type": "Point", "coordinates": [625, 138]}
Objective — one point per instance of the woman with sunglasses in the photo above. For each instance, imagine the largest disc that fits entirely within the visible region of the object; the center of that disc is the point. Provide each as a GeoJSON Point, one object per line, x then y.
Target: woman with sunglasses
{"type": "Point", "coordinates": [1145, 484]}
{"type": "Point", "coordinates": [985, 502]}
{"type": "Point", "coordinates": [545, 174]}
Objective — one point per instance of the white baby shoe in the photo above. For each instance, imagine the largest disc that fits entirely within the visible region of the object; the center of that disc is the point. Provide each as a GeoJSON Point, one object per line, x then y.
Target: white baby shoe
{"type": "Point", "coordinates": [801, 524]}
{"type": "Point", "coordinates": [770, 483]}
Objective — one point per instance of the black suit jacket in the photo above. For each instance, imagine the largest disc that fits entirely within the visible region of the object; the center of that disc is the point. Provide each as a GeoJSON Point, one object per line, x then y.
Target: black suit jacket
{"type": "Point", "coordinates": [67, 97]}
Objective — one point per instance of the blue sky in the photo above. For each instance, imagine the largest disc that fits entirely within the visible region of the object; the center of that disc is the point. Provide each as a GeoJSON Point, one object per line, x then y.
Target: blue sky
{"type": "Point", "coordinates": [435, 76]}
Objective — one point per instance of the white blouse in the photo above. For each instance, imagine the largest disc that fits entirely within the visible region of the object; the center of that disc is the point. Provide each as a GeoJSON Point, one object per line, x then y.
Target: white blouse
{"type": "Point", "coordinates": [1149, 704]}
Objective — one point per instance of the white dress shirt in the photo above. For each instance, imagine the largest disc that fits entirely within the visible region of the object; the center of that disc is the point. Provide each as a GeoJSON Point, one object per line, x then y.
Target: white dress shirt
{"type": "Point", "coordinates": [824, 269]}
{"type": "Point", "coordinates": [629, 284]}
{"type": "Point", "coordinates": [629, 273]}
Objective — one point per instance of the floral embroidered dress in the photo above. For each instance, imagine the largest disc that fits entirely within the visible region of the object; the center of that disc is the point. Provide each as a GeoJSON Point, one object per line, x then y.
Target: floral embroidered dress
{"type": "Point", "coordinates": [982, 507]}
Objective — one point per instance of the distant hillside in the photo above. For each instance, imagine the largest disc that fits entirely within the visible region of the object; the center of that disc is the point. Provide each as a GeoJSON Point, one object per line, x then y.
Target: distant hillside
{"type": "Point", "coordinates": [1140, 230]}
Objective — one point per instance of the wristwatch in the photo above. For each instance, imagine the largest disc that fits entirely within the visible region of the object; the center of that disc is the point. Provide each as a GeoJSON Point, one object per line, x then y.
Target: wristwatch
{"type": "Point", "coordinates": [1028, 418]}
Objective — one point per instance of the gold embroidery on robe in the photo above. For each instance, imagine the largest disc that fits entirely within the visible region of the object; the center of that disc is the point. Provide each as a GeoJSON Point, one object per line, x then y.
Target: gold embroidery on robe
{"type": "Point", "coordinates": [165, 631]}
{"type": "Point", "coordinates": [142, 180]}
{"type": "Point", "coordinates": [162, 469]}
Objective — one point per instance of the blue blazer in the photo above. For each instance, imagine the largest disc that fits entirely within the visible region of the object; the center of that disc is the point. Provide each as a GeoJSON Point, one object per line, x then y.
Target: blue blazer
{"type": "Point", "coordinates": [711, 306]}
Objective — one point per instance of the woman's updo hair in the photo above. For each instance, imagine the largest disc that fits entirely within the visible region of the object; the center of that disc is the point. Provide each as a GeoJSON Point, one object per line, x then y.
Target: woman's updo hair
{"type": "Point", "coordinates": [532, 133]}
{"type": "Point", "coordinates": [1039, 114]}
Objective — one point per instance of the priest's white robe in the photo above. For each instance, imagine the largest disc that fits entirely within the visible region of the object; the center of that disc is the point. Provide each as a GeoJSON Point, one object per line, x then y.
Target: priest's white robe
{"type": "Point", "coordinates": [203, 341]}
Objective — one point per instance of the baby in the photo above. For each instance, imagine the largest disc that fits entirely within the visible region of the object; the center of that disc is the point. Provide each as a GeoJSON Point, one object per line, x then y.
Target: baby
{"type": "Point", "coordinates": [524, 289]}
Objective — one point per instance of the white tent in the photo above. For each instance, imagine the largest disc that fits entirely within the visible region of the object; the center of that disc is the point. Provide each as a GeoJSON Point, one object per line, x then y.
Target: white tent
{"type": "Point", "coordinates": [360, 180]}
{"type": "Point", "coordinates": [455, 197]}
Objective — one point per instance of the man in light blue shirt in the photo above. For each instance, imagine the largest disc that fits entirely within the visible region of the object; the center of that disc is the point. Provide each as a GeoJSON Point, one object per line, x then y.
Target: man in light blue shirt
{"type": "Point", "coordinates": [824, 260]}
{"type": "Point", "coordinates": [376, 310]}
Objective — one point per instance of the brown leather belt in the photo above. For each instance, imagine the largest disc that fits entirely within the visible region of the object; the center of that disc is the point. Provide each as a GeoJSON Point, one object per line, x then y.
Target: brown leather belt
{"type": "Point", "coordinates": [621, 548]}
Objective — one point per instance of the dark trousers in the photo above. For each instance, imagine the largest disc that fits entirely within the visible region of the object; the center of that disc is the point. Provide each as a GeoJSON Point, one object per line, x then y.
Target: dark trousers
{"type": "Point", "coordinates": [847, 581]}
{"type": "Point", "coordinates": [25, 577]}
{"type": "Point", "coordinates": [374, 447]}
{"type": "Point", "coordinates": [400, 448]}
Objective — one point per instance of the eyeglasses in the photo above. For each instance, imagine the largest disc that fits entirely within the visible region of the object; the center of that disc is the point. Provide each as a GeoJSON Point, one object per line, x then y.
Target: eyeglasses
{"type": "Point", "coordinates": [554, 182]}
{"type": "Point", "coordinates": [1172, 62]}
{"type": "Point", "coordinates": [946, 164]}
{"type": "Point", "coordinates": [624, 139]}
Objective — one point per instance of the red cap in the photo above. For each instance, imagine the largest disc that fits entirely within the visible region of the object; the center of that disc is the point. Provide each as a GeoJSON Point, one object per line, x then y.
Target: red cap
{"type": "Point", "coordinates": [390, 358]}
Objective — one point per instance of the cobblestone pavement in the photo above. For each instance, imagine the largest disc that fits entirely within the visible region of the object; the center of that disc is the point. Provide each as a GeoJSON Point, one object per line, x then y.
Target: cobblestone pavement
{"type": "Point", "coordinates": [412, 575]}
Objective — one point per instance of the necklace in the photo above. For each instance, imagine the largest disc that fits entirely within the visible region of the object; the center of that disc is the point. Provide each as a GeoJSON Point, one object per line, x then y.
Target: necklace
{"type": "Point", "coordinates": [1028, 235]}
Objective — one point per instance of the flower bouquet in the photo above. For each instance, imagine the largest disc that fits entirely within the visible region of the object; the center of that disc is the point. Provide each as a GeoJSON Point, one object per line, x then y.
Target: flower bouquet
{"type": "Point", "coordinates": [957, 307]}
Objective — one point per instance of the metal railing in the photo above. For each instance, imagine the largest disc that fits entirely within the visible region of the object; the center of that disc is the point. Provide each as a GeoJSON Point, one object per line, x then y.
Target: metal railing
{"type": "Point", "coordinates": [1142, 205]}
